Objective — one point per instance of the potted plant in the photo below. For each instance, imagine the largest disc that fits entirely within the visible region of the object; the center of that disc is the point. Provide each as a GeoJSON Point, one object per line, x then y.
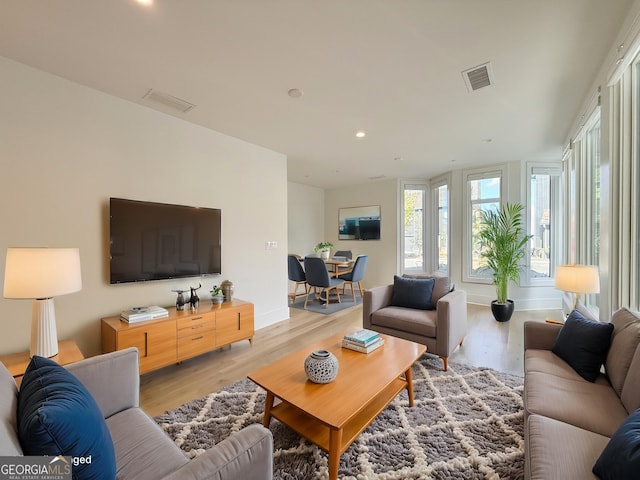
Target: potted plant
{"type": "Point", "coordinates": [323, 249]}
{"type": "Point", "coordinates": [503, 241]}
{"type": "Point", "coordinates": [217, 296]}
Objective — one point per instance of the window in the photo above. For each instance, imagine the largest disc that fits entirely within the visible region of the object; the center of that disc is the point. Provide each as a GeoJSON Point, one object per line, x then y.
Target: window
{"type": "Point", "coordinates": [440, 244]}
{"type": "Point", "coordinates": [543, 222]}
{"type": "Point", "coordinates": [413, 230]}
{"type": "Point", "coordinates": [483, 193]}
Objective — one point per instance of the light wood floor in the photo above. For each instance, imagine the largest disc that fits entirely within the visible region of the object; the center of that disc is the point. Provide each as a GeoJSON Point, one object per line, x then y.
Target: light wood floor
{"type": "Point", "coordinates": [488, 344]}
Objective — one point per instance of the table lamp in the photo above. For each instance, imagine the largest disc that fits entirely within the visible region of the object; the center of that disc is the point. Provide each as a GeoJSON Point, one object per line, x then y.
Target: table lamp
{"type": "Point", "coordinates": [578, 279]}
{"type": "Point", "coordinates": [41, 274]}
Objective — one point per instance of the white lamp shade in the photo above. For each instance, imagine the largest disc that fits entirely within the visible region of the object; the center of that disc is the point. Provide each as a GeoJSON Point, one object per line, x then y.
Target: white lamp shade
{"type": "Point", "coordinates": [41, 272]}
{"type": "Point", "coordinates": [578, 279]}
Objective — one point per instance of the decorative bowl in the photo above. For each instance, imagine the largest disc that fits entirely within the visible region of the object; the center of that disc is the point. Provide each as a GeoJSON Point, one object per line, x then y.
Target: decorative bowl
{"type": "Point", "coordinates": [321, 366]}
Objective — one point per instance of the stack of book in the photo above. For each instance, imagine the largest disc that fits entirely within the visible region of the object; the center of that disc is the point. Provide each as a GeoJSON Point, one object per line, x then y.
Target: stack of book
{"type": "Point", "coordinates": [141, 314]}
{"type": "Point", "coordinates": [362, 340]}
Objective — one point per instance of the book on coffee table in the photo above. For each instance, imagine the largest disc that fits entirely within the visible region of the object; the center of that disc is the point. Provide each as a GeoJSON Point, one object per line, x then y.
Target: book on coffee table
{"type": "Point", "coordinates": [362, 337]}
{"type": "Point", "coordinates": [363, 349]}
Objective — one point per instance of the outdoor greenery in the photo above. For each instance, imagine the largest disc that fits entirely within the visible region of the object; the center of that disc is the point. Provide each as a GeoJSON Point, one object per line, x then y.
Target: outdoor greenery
{"type": "Point", "coordinates": [503, 245]}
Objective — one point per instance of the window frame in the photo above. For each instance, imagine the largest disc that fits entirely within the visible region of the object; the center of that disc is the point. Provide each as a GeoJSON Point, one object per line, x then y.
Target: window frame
{"type": "Point", "coordinates": [415, 185]}
{"type": "Point", "coordinates": [434, 257]}
{"type": "Point", "coordinates": [496, 171]}
{"type": "Point", "coordinates": [557, 231]}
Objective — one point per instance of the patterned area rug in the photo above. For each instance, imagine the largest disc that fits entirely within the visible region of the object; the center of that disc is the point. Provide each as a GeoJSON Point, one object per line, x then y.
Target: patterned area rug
{"type": "Point", "coordinates": [466, 423]}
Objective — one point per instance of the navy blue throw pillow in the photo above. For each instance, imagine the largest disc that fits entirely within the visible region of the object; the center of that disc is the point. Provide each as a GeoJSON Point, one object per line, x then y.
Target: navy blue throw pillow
{"type": "Point", "coordinates": [583, 344]}
{"type": "Point", "coordinates": [620, 459]}
{"type": "Point", "coordinates": [412, 292]}
{"type": "Point", "coordinates": [58, 416]}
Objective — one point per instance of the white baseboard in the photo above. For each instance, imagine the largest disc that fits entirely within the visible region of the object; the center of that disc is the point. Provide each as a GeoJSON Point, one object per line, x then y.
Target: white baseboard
{"type": "Point", "coordinates": [269, 318]}
{"type": "Point", "coordinates": [520, 304]}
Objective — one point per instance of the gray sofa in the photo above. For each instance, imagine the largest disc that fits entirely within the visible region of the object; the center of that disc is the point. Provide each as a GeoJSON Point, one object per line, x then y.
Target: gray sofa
{"type": "Point", "coordinates": [569, 420]}
{"type": "Point", "coordinates": [442, 330]}
{"type": "Point", "coordinates": [142, 449]}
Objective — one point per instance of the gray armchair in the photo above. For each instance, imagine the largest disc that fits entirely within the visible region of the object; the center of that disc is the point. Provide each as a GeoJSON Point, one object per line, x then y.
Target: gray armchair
{"type": "Point", "coordinates": [143, 450]}
{"type": "Point", "coordinates": [442, 330]}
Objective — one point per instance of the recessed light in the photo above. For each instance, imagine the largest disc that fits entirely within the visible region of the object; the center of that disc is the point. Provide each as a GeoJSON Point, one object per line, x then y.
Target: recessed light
{"type": "Point", "coordinates": [487, 140]}
{"type": "Point", "coordinates": [295, 93]}
{"type": "Point", "coordinates": [360, 134]}
{"type": "Point", "coordinates": [145, 2]}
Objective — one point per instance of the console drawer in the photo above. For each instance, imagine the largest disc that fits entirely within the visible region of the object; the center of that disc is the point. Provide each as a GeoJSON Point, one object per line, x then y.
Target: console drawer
{"type": "Point", "coordinates": [196, 322]}
{"type": "Point", "coordinates": [196, 344]}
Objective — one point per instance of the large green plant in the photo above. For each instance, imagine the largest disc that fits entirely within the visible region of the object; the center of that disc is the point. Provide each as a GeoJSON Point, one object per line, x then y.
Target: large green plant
{"type": "Point", "coordinates": [504, 243]}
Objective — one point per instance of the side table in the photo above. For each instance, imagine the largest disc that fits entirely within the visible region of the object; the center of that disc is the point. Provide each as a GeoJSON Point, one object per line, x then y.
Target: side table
{"type": "Point", "coordinates": [16, 363]}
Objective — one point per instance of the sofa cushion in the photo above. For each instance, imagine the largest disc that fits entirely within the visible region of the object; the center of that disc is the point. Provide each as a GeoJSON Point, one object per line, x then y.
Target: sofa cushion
{"type": "Point", "coordinates": [143, 450]}
{"type": "Point", "coordinates": [58, 416]}
{"type": "Point", "coordinates": [631, 389]}
{"type": "Point", "coordinates": [624, 341]}
{"type": "Point", "coordinates": [583, 344]}
{"type": "Point", "coordinates": [411, 320]}
{"type": "Point", "coordinates": [546, 437]}
{"type": "Point", "coordinates": [577, 402]}
{"type": "Point", "coordinates": [620, 459]}
{"type": "Point", "coordinates": [9, 443]}
{"type": "Point", "coordinates": [412, 292]}
{"type": "Point", "coordinates": [545, 361]}
{"type": "Point", "coordinates": [441, 286]}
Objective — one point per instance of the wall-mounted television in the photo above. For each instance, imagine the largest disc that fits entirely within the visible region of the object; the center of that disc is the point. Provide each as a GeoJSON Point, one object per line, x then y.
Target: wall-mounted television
{"type": "Point", "coordinates": [158, 241]}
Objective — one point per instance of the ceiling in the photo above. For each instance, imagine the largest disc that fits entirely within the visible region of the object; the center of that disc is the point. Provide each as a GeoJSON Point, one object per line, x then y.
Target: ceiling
{"type": "Point", "coordinates": [391, 68]}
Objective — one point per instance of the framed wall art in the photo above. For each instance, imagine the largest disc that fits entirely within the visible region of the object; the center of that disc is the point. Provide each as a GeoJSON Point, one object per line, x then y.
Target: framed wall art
{"type": "Point", "coordinates": [359, 223]}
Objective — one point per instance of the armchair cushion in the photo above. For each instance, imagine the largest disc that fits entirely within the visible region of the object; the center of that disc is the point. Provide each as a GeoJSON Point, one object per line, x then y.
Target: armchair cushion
{"type": "Point", "coordinates": [412, 292]}
{"type": "Point", "coordinates": [58, 416]}
{"type": "Point", "coordinates": [583, 344]}
{"type": "Point", "coordinates": [441, 286]}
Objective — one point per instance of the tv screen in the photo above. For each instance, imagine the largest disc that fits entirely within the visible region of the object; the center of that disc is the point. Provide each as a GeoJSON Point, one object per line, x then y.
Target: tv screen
{"type": "Point", "coordinates": [158, 241]}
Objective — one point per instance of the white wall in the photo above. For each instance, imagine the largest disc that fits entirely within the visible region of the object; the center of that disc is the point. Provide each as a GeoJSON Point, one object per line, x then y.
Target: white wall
{"type": "Point", "coordinates": [383, 256]}
{"type": "Point", "coordinates": [65, 149]}
{"type": "Point", "coordinates": [305, 217]}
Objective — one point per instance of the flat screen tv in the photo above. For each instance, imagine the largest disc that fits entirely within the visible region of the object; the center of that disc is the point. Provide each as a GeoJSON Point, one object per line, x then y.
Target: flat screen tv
{"type": "Point", "coordinates": [158, 241]}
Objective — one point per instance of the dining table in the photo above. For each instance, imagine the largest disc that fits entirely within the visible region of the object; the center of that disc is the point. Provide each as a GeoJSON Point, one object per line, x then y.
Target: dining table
{"type": "Point", "coordinates": [338, 266]}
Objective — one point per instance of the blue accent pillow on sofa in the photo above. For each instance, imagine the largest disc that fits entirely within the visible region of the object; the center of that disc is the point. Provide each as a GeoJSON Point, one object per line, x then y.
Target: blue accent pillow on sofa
{"type": "Point", "coordinates": [620, 459]}
{"type": "Point", "coordinates": [412, 292]}
{"type": "Point", "coordinates": [58, 416]}
{"type": "Point", "coordinates": [583, 344]}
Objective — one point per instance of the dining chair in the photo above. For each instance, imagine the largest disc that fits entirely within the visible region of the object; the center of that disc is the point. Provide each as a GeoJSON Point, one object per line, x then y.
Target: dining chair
{"type": "Point", "coordinates": [355, 275]}
{"type": "Point", "coordinates": [297, 275]}
{"type": "Point", "coordinates": [318, 277]}
{"type": "Point", "coordinates": [344, 253]}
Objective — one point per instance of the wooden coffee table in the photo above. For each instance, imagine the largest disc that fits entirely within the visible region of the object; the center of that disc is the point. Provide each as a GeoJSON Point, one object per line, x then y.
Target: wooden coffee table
{"type": "Point", "coordinates": [332, 415]}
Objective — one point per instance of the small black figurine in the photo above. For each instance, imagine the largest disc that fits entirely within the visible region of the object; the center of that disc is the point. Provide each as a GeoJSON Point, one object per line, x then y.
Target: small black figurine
{"type": "Point", "coordinates": [194, 300]}
{"type": "Point", "coordinates": [180, 300]}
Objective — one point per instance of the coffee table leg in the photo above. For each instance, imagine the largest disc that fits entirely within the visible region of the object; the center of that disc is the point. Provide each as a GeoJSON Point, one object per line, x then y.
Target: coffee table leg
{"type": "Point", "coordinates": [408, 376]}
{"type": "Point", "coordinates": [335, 439]}
{"type": "Point", "coordinates": [268, 404]}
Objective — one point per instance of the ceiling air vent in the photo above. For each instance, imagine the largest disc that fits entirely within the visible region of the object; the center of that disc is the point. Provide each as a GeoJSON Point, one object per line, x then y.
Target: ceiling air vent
{"type": "Point", "coordinates": [168, 100]}
{"type": "Point", "coordinates": [478, 77]}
